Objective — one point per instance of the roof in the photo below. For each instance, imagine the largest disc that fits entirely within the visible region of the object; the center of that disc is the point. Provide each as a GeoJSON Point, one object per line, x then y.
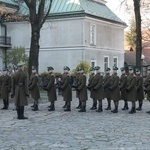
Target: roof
{"type": "Point", "coordinates": [130, 57]}
{"type": "Point", "coordinates": [9, 3]}
{"type": "Point", "coordinates": [88, 7]}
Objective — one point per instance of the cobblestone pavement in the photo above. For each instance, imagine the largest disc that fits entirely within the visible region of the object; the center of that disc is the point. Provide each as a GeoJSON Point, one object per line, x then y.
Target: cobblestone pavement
{"type": "Point", "coordinates": [61, 130]}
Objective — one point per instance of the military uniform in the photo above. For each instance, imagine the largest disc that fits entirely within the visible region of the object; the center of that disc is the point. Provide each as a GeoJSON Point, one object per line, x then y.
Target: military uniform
{"type": "Point", "coordinates": [140, 91]}
{"type": "Point", "coordinates": [5, 84]}
{"type": "Point", "coordinates": [82, 90]}
{"type": "Point", "coordinates": [66, 88]}
{"type": "Point", "coordinates": [114, 88]}
{"type": "Point", "coordinates": [20, 91]}
{"type": "Point", "coordinates": [106, 85]}
{"type": "Point", "coordinates": [131, 90]}
{"type": "Point", "coordinates": [51, 89]}
{"type": "Point", "coordinates": [76, 86]}
{"type": "Point", "coordinates": [147, 86]}
{"type": "Point", "coordinates": [97, 87]}
{"type": "Point", "coordinates": [123, 86]}
{"type": "Point", "coordinates": [92, 92]}
{"type": "Point", "coordinates": [34, 89]}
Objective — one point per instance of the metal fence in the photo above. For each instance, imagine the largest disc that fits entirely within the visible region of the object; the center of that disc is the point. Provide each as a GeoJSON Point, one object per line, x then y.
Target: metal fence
{"type": "Point", "coordinates": [5, 40]}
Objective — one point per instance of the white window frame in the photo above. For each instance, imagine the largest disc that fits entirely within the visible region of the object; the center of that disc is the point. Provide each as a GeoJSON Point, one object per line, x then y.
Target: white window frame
{"type": "Point", "coordinates": [115, 57]}
{"type": "Point", "coordinates": [93, 61]}
{"type": "Point", "coordinates": [104, 61]}
{"type": "Point", "coordinates": [93, 34]}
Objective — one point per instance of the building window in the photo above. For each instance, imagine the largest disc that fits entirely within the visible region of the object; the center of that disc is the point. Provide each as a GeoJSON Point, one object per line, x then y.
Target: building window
{"type": "Point", "coordinates": [106, 61]}
{"type": "Point", "coordinates": [115, 61]}
{"type": "Point", "coordinates": [93, 35]}
{"type": "Point", "coordinates": [93, 63]}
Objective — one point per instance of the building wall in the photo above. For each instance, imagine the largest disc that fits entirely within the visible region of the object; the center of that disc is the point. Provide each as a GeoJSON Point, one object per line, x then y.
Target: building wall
{"type": "Point", "coordinates": [67, 42]}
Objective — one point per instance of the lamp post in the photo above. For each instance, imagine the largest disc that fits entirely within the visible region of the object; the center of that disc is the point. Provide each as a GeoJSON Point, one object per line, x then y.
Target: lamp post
{"type": "Point", "coordinates": [142, 59]}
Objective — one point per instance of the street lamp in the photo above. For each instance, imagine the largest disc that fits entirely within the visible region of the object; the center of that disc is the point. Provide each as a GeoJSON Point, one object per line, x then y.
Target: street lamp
{"type": "Point", "coordinates": [142, 59]}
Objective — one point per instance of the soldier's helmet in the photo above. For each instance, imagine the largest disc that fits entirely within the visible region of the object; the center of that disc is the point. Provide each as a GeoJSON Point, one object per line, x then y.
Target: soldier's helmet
{"type": "Point", "coordinates": [137, 70]}
{"type": "Point", "coordinates": [77, 68]}
{"type": "Point", "coordinates": [131, 68]}
{"type": "Point", "coordinates": [81, 68]}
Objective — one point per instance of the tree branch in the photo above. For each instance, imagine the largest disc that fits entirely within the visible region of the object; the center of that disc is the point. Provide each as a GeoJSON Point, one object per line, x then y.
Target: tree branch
{"type": "Point", "coordinates": [44, 19]}
{"type": "Point", "coordinates": [41, 10]}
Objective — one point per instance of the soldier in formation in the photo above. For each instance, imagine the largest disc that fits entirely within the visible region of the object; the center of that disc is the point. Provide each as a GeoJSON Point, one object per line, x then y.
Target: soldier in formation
{"type": "Point", "coordinates": [34, 88]}
{"type": "Point", "coordinates": [5, 88]}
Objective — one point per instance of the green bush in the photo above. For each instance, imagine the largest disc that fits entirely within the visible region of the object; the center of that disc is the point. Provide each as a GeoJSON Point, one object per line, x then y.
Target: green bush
{"type": "Point", "coordinates": [84, 65]}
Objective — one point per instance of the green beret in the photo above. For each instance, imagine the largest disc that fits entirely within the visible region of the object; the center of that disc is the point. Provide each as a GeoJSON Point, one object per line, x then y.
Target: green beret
{"type": "Point", "coordinates": [81, 68]}
{"type": "Point", "coordinates": [131, 68]}
{"type": "Point", "coordinates": [66, 68]}
{"type": "Point", "coordinates": [77, 68]}
{"type": "Point", "coordinates": [122, 68]}
{"type": "Point", "coordinates": [137, 70]}
{"type": "Point", "coordinates": [92, 69]}
{"type": "Point", "coordinates": [21, 65]}
{"type": "Point", "coordinates": [50, 68]}
{"type": "Point", "coordinates": [97, 68]}
{"type": "Point", "coordinates": [5, 69]}
{"type": "Point", "coordinates": [33, 68]}
{"type": "Point", "coordinates": [115, 68]}
{"type": "Point", "coordinates": [107, 69]}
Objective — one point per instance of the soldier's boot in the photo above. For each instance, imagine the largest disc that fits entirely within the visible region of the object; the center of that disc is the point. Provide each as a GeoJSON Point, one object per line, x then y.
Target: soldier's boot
{"type": "Point", "coordinates": [100, 109]}
{"type": "Point", "coordinates": [65, 106]}
{"type": "Point", "coordinates": [18, 112]}
{"type": "Point", "coordinates": [116, 108]}
{"type": "Point", "coordinates": [52, 108]}
{"type": "Point", "coordinates": [68, 107]}
{"type": "Point", "coordinates": [22, 113]}
{"type": "Point", "coordinates": [33, 105]}
{"type": "Point", "coordinates": [148, 112]}
{"type": "Point", "coordinates": [132, 111]}
{"type": "Point", "coordinates": [36, 108]}
{"type": "Point", "coordinates": [94, 105]}
{"type": "Point", "coordinates": [140, 106]}
{"type": "Point", "coordinates": [83, 109]}
{"type": "Point", "coordinates": [5, 104]}
{"type": "Point", "coordinates": [109, 105]}
{"type": "Point", "coordinates": [125, 105]}
{"type": "Point", "coordinates": [80, 105]}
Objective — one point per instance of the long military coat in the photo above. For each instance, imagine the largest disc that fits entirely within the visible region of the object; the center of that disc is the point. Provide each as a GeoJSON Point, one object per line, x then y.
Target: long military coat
{"type": "Point", "coordinates": [33, 86]}
{"type": "Point", "coordinates": [66, 88]}
{"type": "Point", "coordinates": [20, 88]}
{"type": "Point", "coordinates": [77, 84]}
{"type": "Point", "coordinates": [82, 88]}
{"type": "Point", "coordinates": [123, 86]}
{"type": "Point", "coordinates": [51, 89]}
{"type": "Point", "coordinates": [115, 90]}
{"type": "Point", "coordinates": [139, 87]}
{"type": "Point", "coordinates": [106, 85]}
{"type": "Point", "coordinates": [92, 92]}
{"type": "Point", "coordinates": [5, 84]}
{"type": "Point", "coordinates": [147, 86]}
{"type": "Point", "coordinates": [131, 88]}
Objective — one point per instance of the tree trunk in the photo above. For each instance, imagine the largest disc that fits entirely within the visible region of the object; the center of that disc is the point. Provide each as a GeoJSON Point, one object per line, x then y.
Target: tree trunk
{"type": "Point", "coordinates": [138, 32]}
{"type": "Point", "coordinates": [34, 48]}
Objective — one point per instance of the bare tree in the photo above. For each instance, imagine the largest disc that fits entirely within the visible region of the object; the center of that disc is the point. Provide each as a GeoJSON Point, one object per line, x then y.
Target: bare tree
{"type": "Point", "coordinates": [37, 17]}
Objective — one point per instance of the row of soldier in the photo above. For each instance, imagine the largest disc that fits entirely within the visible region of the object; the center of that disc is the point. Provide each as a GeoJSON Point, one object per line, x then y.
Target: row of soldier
{"type": "Point", "coordinates": [127, 88]}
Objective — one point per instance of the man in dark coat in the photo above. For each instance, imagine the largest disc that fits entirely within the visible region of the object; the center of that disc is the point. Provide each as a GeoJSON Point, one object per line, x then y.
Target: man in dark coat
{"type": "Point", "coordinates": [34, 88]}
{"type": "Point", "coordinates": [123, 86]}
{"type": "Point", "coordinates": [76, 86]}
{"type": "Point", "coordinates": [106, 85]}
{"type": "Point", "coordinates": [139, 87]}
{"type": "Point", "coordinates": [82, 90]}
{"type": "Point", "coordinates": [147, 86]}
{"type": "Point", "coordinates": [51, 89]}
{"type": "Point", "coordinates": [97, 87]}
{"type": "Point", "coordinates": [92, 92]}
{"type": "Point", "coordinates": [114, 88]}
{"type": "Point", "coordinates": [5, 84]}
{"type": "Point", "coordinates": [131, 89]}
{"type": "Point", "coordinates": [66, 88]}
{"type": "Point", "coordinates": [20, 91]}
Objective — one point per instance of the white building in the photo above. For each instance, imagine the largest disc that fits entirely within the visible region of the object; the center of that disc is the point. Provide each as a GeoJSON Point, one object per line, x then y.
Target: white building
{"type": "Point", "coordinates": [76, 31]}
